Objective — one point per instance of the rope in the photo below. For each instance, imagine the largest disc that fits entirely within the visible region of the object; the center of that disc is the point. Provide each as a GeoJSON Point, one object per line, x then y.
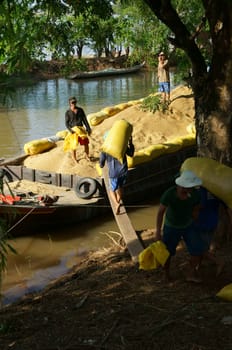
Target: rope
{"type": "Point", "coordinates": [89, 206]}
{"type": "Point", "coordinates": [108, 206]}
{"type": "Point", "coordinates": [147, 177]}
{"type": "Point", "coordinates": [18, 222]}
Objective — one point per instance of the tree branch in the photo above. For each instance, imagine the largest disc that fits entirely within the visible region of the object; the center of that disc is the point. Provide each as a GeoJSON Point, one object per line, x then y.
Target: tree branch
{"type": "Point", "coordinates": [199, 28]}
{"type": "Point", "coordinates": [183, 39]}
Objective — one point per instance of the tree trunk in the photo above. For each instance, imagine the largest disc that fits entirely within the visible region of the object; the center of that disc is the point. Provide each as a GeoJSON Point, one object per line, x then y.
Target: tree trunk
{"type": "Point", "coordinates": [213, 95]}
{"type": "Point", "coordinates": [213, 113]}
{"type": "Point", "coordinates": [79, 51]}
{"type": "Point", "coordinates": [212, 86]}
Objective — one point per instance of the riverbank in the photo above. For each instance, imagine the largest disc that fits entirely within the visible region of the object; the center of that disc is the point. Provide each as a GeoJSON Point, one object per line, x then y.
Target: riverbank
{"type": "Point", "coordinates": [54, 69]}
{"type": "Point", "coordinates": [108, 303]}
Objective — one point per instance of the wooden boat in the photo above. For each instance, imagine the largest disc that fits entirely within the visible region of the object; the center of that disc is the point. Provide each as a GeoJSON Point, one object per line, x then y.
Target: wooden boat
{"type": "Point", "coordinates": [107, 72]}
{"type": "Point", "coordinates": [82, 199]}
{"type": "Point", "coordinates": [28, 217]}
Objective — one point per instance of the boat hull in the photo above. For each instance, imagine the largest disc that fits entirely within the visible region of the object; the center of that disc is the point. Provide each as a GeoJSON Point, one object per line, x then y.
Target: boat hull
{"type": "Point", "coordinates": [28, 220]}
{"type": "Point", "coordinates": [107, 72]}
{"type": "Point", "coordinates": [144, 182]}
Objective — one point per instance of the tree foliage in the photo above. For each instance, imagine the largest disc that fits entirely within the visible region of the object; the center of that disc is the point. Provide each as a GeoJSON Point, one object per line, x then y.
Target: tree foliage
{"type": "Point", "coordinates": [29, 29]}
{"type": "Point", "coordinates": [212, 69]}
{"type": "Point", "coordinates": [191, 31]}
{"type": "Point", "coordinates": [63, 28]}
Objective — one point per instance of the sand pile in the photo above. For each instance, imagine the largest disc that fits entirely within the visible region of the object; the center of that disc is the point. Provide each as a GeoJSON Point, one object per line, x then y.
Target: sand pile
{"type": "Point", "coordinates": [148, 129]}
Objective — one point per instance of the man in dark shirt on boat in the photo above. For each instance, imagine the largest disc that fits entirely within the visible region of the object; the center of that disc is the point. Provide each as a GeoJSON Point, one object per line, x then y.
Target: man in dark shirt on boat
{"type": "Point", "coordinates": [117, 173]}
{"type": "Point", "coordinates": [76, 122]}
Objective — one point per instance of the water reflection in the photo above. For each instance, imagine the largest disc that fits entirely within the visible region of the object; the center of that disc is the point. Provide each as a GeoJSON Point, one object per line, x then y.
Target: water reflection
{"type": "Point", "coordinates": [43, 257]}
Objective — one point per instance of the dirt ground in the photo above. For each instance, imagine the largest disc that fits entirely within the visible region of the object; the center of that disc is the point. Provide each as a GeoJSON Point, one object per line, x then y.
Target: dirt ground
{"type": "Point", "coordinates": [107, 302]}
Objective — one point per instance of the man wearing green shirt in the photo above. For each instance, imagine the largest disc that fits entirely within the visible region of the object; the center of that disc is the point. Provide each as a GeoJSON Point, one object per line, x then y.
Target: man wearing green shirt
{"type": "Point", "coordinates": [178, 205]}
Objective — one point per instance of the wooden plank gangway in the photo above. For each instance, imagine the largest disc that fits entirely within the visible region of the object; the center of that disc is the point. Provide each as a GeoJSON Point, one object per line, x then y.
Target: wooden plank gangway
{"type": "Point", "coordinates": [130, 237]}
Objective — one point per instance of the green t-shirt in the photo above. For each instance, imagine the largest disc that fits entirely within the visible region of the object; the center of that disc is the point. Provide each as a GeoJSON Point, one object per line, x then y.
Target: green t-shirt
{"type": "Point", "coordinates": [179, 212]}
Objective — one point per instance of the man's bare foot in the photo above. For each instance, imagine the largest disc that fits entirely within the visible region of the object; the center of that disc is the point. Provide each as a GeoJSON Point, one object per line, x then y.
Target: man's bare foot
{"type": "Point", "coordinates": [193, 277]}
{"type": "Point", "coordinates": [117, 210]}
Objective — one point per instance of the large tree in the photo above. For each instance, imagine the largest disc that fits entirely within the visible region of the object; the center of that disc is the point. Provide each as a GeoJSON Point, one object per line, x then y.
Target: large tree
{"type": "Point", "coordinates": [212, 80]}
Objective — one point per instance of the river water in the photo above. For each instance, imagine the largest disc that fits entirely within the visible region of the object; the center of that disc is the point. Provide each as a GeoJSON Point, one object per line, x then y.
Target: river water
{"type": "Point", "coordinates": [38, 111]}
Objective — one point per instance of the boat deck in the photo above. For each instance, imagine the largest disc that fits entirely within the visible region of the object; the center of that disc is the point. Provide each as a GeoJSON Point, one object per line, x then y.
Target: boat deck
{"type": "Point", "coordinates": [66, 195]}
{"type": "Point", "coordinates": [29, 213]}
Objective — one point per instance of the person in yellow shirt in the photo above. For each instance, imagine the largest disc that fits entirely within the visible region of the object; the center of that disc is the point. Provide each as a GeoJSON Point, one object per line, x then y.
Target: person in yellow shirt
{"type": "Point", "coordinates": [75, 117]}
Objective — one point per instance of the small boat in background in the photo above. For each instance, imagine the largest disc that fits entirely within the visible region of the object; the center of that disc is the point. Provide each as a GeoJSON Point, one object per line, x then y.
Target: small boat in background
{"type": "Point", "coordinates": [107, 72]}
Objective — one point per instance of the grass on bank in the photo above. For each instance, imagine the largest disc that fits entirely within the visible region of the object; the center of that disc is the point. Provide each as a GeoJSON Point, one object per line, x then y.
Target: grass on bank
{"type": "Point", "coordinates": [153, 103]}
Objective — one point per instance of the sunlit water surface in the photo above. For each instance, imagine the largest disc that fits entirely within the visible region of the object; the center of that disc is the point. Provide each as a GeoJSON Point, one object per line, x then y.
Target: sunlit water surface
{"type": "Point", "coordinates": [38, 111]}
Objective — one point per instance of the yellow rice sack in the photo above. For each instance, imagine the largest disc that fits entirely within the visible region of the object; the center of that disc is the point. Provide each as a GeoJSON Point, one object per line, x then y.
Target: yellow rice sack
{"type": "Point", "coordinates": [188, 140]}
{"type": "Point", "coordinates": [147, 260]}
{"type": "Point", "coordinates": [173, 146]}
{"type": "Point", "coordinates": [134, 102]}
{"type": "Point", "coordinates": [191, 129]}
{"type": "Point", "coordinates": [154, 151]}
{"type": "Point", "coordinates": [225, 293]}
{"type": "Point", "coordinates": [122, 106]}
{"type": "Point", "coordinates": [99, 169]}
{"type": "Point", "coordinates": [110, 111]}
{"type": "Point", "coordinates": [146, 155]}
{"type": "Point", "coordinates": [116, 141]}
{"type": "Point", "coordinates": [71, 140]}
{"type": "Point", "coordinates": [138, 158]}
{"type": "Point", "coordinates": [96, 118]}
{"type": "Point", "coordinates": [38, 146]}
{"type": "Point", "coordinates": [62, 134]}
{"type": "Point", "coordinates": [80, 131]}
{"type": "Point", "coordinates": [216, 177]}
{"type": "Point", "coordinates": [154, 255]}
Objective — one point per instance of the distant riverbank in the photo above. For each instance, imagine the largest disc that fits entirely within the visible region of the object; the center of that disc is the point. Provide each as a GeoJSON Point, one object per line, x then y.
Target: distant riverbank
{"type": "Point", "coordinates": [60, 68]}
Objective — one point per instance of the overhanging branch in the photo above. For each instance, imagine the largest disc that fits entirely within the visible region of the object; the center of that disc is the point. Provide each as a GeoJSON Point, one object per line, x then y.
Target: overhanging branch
{"type": "Point", "coordinates": [183, 39]}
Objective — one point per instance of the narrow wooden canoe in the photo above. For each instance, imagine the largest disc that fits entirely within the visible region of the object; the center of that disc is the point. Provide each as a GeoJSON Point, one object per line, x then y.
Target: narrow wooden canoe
{"type": "Point", "coordinates": [107, 72]}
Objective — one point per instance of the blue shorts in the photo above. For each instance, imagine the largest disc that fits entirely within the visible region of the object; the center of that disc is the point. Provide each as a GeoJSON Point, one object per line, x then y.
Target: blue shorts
{"type": "Point", "coordinates": [117, 182]}
{"type": "Point", "coordinates": [172, 236]}
{"type": "Point", "coordinates": [164, 87]}
{"type": "Point", "coordinates": [206, 237]}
